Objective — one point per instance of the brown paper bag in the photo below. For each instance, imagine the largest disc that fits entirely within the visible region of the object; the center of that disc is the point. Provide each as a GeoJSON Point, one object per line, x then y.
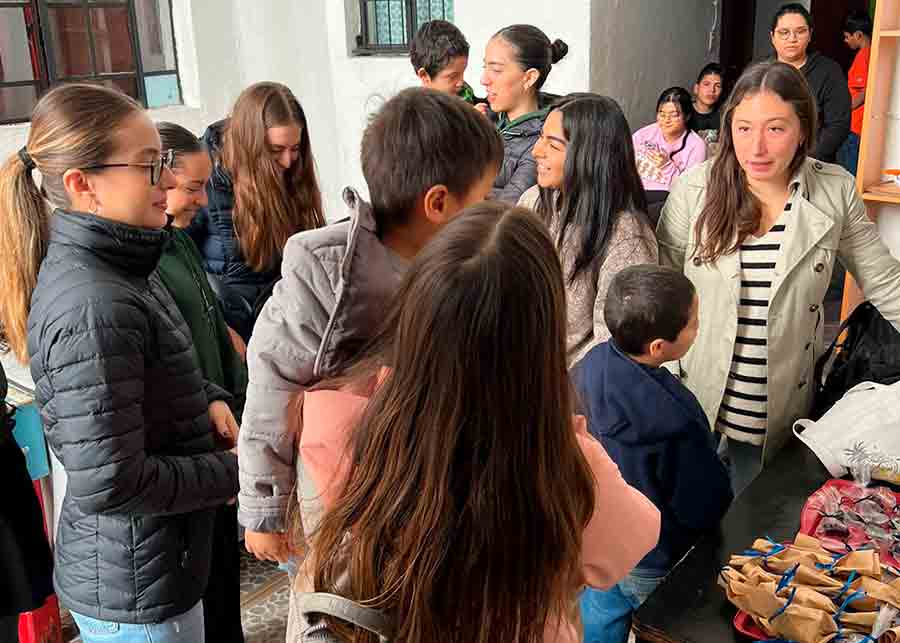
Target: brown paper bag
{"type": "Point", "coordinates": [810, 544]}
{"type": "Point", "coordinates": [752, 599]}
{"type": "Point", "coordinates": [861, 622]}
{"type": "Point", "coordinates": [756, 575]}
{"type": "Point", "coordinates": [805, 597]}
{"type": "Point", "coordinates": [891, 636]}
{"type": "Point", "coordinates": [878, 591]}
{"type": "Point", "coordinates": [802, 624]}
{"type": "Point", "coordinates": [864, 563]}
{"type": "Point", "coordinates": [817, 580]}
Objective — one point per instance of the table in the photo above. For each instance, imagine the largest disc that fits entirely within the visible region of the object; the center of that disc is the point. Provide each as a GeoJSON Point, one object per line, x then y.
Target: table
{"type": "Point", "coordinates": [689, 607]}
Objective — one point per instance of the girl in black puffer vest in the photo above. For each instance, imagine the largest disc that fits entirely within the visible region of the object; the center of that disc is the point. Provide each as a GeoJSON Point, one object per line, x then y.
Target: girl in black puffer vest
{"type": "Point", "coordinates": [123, 402]}
{"type": "Point", "coordinates": [263, 190]}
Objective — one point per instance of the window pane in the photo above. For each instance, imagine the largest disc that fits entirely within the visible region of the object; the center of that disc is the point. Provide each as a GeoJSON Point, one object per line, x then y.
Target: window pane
{"type": "Point", "coordinates": [112, 40]}
{"type": "Point", "coordinates": [16, 61]}
{"type": "Point", "coordinates": [126, 84]}
{"type": "Point", "coordinates": [154, 20]}
{"type": "Point", "coordinates": [162, 90]}
{"type": "Point", "coordinates": [387, 22]}
{"type": "Point", "coordinates": [71, 45]}
{"type": "Point", "coordinates": [433, 10]}
{"type": "Point", "coordinates": [16, 103]}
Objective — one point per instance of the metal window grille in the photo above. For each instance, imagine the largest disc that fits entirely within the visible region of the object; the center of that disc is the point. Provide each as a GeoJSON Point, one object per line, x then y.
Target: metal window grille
{"type": "Point", "coordinates": [388, 26]}
{"type": "Point", "coordinates": [47, 50]}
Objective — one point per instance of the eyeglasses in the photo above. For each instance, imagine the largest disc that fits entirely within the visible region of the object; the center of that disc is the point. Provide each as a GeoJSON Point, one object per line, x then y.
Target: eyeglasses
{"type": "Point", "coordinates": [669, 116]}
{"type": "Point", "coordinates": [165, 160]}
{"type": "Point", "coordinates": [799, 34]}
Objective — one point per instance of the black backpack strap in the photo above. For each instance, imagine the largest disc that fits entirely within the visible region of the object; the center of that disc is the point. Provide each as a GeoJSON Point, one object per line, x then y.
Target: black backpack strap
{"type": "Point", "coordinates": [343, 608]}
{"type": "Point", "coordinates": [821, 363]}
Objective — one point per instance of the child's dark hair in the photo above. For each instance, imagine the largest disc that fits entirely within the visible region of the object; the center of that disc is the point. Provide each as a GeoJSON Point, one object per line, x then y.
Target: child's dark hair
{"type": "Point", "coordinates": [858, 21]}
{"type": "Point", "coordinates": [710, 69]}
{"type": "Point", "coordinates": [435, 45]}
{"type": "Point", "coordinates": [534, 49]}
{"type": "Point", "coordinates": [792, 7]}
{"type": "Point", "coordinates": [645, 303]}
{"type": "Point", "coordinates": [419, 139]}
{"type": "Point", "coordinates": [179, 139]}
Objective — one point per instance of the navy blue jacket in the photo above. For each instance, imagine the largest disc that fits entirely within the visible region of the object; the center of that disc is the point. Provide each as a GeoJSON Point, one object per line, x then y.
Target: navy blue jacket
{"type": "Point", "coordinates": [237, 286]}
{"type": "Point", "coordinates": [657, 433]}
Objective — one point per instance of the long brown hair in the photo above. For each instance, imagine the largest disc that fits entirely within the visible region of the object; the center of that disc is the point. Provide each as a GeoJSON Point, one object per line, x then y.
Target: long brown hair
{"type": "Point", "coordinates": [72, 126]}
{"type": "Point", "coordinates": [732, 211]}
{"type": "Point", "coordinates": [269, 204]}
{"type": "Point", "coordinates": [468, 493]}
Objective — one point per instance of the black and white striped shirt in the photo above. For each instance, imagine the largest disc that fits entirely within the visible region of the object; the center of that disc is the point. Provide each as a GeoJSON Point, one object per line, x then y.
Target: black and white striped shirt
{"type": "Point", "coordinates": [743, 415]}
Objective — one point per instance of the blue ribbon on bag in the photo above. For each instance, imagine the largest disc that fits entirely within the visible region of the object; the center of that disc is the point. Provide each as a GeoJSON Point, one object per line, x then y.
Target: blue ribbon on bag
{"type": "Point", "coordinates": [846, 586]}
{"type": "Point", "coordinates": [787, 577]}
{"type": "Point", "coordinates": [784, 607]}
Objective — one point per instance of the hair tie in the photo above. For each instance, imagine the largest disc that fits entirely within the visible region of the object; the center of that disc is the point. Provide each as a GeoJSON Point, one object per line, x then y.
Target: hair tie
{"type": "Point", "coordinates": [26, 159]}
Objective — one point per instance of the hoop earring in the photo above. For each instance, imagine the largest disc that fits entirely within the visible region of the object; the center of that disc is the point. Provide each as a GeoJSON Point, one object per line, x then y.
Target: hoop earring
{"type": "Point", "coordinates": [95, 207]}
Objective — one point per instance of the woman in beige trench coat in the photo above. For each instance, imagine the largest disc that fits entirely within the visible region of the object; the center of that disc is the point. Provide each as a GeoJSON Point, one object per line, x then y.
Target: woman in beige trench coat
{"type": "Point", "coordinates": [773, 222]}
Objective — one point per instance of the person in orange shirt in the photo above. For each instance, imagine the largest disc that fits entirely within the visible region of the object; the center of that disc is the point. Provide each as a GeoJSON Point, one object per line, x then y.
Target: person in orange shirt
{"type": "Point", "coordinates": [857, 36]}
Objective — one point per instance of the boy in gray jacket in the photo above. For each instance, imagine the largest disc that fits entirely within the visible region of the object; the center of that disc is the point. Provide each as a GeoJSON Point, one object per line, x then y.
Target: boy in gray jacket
{"type": "Point", "coordinates": [425, 156]}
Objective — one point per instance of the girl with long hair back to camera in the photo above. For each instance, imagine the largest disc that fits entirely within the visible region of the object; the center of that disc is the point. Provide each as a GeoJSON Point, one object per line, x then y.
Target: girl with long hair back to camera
{"type": "Point", "coordinates": [123, 402]}
{"type": "Point", "coordinates": [263, 190]}
{"type": "Point", "coordinates": [476, 514]}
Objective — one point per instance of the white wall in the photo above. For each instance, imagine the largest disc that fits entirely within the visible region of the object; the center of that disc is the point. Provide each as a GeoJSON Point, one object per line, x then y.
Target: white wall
{"type": "Point", "coordinates": [641, 47]}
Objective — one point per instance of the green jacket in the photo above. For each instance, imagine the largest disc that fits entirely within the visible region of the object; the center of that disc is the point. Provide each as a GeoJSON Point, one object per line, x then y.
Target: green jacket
{"type": "Point", "coordinates": [182, 273]}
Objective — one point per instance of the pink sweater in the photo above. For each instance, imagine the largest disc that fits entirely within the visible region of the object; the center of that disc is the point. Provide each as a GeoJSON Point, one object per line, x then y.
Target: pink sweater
{"type": "Point", "coordinates": [623, 529]}
{"type": "Point", "coordinates": [694, 152]}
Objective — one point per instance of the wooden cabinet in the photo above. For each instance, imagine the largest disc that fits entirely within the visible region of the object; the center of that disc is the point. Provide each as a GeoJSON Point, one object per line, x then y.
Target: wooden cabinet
{"type": "Point", "coordinates": [881, 127]}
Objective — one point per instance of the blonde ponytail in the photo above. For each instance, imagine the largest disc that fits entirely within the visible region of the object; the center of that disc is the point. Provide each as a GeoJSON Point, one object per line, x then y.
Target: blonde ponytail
{"type": "Point", "coordinates": [72, 126]}
{"type": "Point", "coordinates": [23, 242]}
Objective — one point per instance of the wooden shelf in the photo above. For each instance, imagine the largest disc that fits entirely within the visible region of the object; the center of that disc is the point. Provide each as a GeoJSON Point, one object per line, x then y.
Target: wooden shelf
{"type": "Point", "coordinates": [881, 198]}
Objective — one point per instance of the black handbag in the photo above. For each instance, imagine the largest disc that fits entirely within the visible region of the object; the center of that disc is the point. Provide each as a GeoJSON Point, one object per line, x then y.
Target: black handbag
{"type": "Point", "coordinates": [870, 352]}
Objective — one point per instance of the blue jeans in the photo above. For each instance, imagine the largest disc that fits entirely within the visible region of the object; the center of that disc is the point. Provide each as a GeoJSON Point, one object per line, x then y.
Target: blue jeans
{"type": "Point", "coordinates": [848, 153]}
{"type": "Point", "coordinates": [184, 628]}
{"type": "Point", "coordinates": [606, 615]}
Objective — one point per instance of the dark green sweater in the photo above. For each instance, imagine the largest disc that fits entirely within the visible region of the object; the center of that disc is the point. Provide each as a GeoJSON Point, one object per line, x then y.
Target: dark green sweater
{"type": "Point", "coordinates": [182, 272]}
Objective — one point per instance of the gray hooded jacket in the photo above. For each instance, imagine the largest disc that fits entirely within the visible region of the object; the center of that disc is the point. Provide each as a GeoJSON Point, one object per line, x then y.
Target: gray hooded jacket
{"type": "Point", "coordinates": [335, 284]}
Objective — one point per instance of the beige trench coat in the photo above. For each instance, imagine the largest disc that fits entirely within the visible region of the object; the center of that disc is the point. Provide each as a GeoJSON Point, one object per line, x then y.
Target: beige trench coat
{"type": "Point", "coordinates": [828, 220]}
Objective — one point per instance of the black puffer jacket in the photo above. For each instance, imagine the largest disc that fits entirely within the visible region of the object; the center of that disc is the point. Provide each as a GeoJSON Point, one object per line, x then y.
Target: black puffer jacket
{"type": "Point", "coordinates": [124, 408]}
{"type": "Point", "coordinates": [237, 286]}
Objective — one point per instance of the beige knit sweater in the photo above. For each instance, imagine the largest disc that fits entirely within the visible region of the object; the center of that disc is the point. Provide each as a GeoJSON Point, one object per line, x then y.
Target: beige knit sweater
{"type": "Point", "coordinates": [632, 241]}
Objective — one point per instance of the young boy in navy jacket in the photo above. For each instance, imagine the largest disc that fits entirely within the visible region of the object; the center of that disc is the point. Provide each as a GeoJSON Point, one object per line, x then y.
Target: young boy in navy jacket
{"type": "Point", "coordinates": [654, 429]}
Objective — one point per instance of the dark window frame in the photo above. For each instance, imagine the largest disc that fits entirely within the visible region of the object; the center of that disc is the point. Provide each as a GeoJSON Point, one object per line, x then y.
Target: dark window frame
{"type": "Point", "coordinates": [366, 43]}
{"type": "Point", "coordinates": [49, 76]}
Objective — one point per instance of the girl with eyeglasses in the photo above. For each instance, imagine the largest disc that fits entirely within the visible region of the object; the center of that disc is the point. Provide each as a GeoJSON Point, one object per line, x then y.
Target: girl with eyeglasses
{"type": "Point", "coordinates": [664, 150]}
{"type": "Point", "coordinates": [124, 404]}
{"type": "Point", "coordinates": [791, 35]}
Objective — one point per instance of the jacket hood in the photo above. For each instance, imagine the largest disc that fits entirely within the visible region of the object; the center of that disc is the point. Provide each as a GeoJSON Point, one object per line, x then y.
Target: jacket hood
{"type": "Point", "coordinates": [626, 401]}
{"type": "Point", "coordinates": [135, 250]}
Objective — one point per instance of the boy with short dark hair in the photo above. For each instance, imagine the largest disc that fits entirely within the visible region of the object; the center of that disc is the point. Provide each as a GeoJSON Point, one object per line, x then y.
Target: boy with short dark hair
{"type": "Point", "coordinates": [439, 54]}
{"type": "Point", "coordinates": [425, 157]}
{"type": "Point", "coordinates": [857, 36]}
{"type": "Point", "coordinates": [654, 429]}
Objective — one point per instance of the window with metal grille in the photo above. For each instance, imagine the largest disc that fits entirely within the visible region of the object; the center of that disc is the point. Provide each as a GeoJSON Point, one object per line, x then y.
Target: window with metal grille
{"type": "Point", "coordinates": [388, 26]}
{"type": "Point", "coordinates": [126, 44]}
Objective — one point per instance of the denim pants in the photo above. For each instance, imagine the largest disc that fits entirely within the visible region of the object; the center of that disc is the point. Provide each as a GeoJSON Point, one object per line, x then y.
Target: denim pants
{"type": "Point", "coordinates": [848, 153]}
{"type": "Point", "coordinates": [743, 461]}
{"type": "Point", "coordinates": [184, 628]}
{"type": "Point", "coordinates": [606, 615]}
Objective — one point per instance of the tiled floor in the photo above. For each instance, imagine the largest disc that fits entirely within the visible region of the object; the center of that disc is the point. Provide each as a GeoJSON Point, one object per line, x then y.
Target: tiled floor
{"type": "Point", "coordinates": [264, 603]}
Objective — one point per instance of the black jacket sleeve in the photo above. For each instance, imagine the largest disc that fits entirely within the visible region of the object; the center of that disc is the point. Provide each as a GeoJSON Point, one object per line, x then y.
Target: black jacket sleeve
{"type": "Point", "coordinates": [835, 114]}
{"type": "Point", "coordinates": [97, 377]}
